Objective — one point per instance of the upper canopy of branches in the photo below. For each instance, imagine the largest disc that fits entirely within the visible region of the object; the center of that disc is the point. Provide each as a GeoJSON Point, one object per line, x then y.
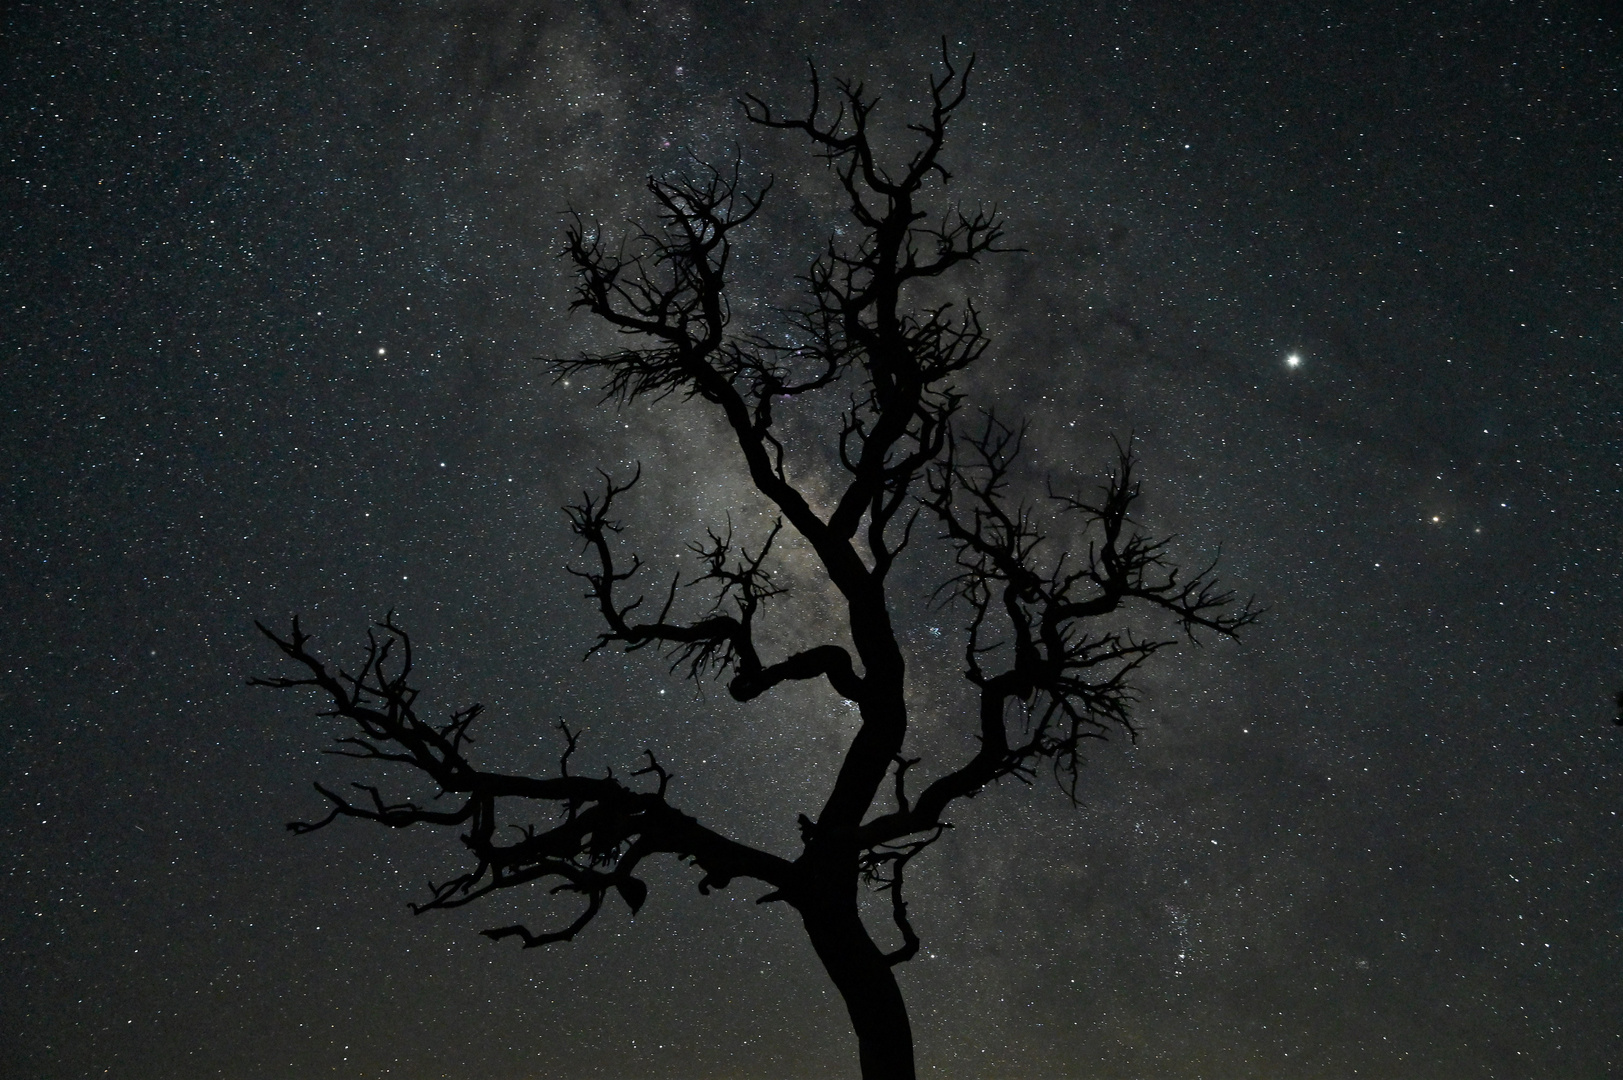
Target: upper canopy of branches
{"type": "Point", "coordinates": [668, 291]}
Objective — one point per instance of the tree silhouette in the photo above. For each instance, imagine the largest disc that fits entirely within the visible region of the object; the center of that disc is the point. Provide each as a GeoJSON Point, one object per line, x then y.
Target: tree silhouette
{"type": "Point", "coordinates": [1048, 647]}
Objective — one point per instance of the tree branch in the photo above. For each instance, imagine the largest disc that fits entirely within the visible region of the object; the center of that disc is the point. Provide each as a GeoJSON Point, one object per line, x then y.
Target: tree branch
{"type": "Point", "coordinates": [1070, 680]}
{"type": "Point", "coordinates": [605, 830]}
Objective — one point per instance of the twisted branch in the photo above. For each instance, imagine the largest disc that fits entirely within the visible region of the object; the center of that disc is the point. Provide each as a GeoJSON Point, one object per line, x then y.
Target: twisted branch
{"type": "Point", "coordinates": [606, 828]}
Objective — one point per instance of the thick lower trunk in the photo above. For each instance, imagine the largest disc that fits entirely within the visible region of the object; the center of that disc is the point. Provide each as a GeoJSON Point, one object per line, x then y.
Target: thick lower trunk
{"type": "Point", "coordinates": [868, 985]}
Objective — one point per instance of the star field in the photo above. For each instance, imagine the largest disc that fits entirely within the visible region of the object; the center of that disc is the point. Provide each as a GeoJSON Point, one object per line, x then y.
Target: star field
{"type": "Point", "coordinates": [277, 284]}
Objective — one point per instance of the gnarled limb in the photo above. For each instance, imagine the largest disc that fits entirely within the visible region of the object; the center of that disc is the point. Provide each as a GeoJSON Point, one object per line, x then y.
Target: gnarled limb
{"type": "Point", "coordinates": [720, 641]}
{"type": "Point", "coordinates": [1068, 676]}
{"type": "Point", "coordinates": [606, 829]}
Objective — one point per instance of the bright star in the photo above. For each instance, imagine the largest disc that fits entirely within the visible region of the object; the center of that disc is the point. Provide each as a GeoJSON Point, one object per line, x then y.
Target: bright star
{"type": "Point", "coordinates": [1293, 360]}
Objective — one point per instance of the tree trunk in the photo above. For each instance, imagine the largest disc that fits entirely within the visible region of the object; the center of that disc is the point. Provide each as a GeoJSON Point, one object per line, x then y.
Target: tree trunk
{"type": "Point", "coordinates": [868, 985]}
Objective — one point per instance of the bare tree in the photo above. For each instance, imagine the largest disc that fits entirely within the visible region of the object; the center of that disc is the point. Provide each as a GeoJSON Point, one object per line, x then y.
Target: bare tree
{"type": "Point", "coordinates": [1048, 651]}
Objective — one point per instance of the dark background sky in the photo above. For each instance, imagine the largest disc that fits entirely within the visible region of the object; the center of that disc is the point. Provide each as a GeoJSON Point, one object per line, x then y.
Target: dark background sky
{"type": "Point", "coordinates": [275, 279]}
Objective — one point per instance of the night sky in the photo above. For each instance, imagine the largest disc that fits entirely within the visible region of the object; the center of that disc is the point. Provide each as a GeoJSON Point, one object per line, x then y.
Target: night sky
{"type": "Point", "coordinates": [279, 285]}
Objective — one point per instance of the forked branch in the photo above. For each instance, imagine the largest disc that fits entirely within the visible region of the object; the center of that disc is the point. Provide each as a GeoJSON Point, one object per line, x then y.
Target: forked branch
{"type": "Point", "coordinates": [724, 639]}
{"type": "Point", "coordinates": [1067, 656]}
{"type": "Point", "coordinates": [602, 829]}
